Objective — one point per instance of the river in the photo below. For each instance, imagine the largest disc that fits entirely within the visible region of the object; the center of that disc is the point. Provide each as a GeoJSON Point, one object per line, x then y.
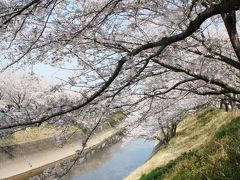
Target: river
{"type": "Point", "coordinates": [115, 162]}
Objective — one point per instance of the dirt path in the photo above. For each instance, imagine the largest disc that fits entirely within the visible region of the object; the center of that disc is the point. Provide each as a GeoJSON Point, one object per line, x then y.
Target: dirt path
{"type": "Point", "coordinates": [29, 162]}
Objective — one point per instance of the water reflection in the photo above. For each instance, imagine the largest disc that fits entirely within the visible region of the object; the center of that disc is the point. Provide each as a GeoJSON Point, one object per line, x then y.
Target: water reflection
{"type": "Point", "coordinates": [116, 162]}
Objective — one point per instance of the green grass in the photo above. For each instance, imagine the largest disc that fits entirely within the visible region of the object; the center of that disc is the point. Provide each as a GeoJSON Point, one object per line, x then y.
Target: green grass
{"type": "Point", "coordinates": [47, 130]}
{"type": "Point", "coordinates": [218, 159]}
{"type": "Point", "coordinates": [159, 172]}
{"type": "Point", "coordinates": [230, 130]}
{"type": "Point", "coordinates": [30, 134]}
{"type": "Point", "coordinates": [115, 117]}
{"type": "Point", "coordinates": [194, 131]}
{"type": "Point", "coordinates": [204, 115]}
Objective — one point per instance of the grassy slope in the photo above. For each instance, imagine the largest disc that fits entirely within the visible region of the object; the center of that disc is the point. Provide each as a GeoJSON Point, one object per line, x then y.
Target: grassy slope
{"type": "Point", "coordinates": [194, 131]}
{"type": "Point", "coordinates": [46, 131]}
{"type": "Point", "coordinates": [30, 134]}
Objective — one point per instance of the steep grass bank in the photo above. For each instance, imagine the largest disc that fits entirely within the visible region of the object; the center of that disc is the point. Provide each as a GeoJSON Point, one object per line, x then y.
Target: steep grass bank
{"type": "Point", "coordinates": [218, 159]}
{"type": "Point", "coordinates": [47, 131]}
{"type": "Point", "coordinates": [194, 146]}
{"type": "Point", "coordinates": [29, 134]}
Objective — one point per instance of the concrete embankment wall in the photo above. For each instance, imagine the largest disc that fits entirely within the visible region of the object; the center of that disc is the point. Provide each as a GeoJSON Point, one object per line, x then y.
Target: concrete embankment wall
{"type": "Point", "coordinates": [49, 143]}
{"type": "Point", "coordinates": [18, 150]}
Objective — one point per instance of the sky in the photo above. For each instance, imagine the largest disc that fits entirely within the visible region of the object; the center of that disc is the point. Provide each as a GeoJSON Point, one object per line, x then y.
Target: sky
{"type": "Point", "coordinates": [50, 72]}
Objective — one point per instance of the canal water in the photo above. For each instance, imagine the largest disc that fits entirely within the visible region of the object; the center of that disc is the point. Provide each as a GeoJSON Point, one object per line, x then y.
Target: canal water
{"type": "Point", "coordinates": [115, 162]}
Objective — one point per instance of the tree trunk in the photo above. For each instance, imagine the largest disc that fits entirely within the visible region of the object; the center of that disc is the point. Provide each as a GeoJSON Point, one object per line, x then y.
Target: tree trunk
{"type": "Point", "coordinates": [231, 26]}
{"type": "Point", "coordinates": [166, 140]}
{"type": "Point", "coordinates": [226, 107]}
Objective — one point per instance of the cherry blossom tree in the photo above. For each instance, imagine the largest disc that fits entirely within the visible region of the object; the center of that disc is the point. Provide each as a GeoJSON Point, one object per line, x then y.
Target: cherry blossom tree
{"type": "Point", "coordinates": [19, 90]}
{"type": "Point", "coordinates": [146, 49]}
{"type": "Point", "coordinates": [154, 59]}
